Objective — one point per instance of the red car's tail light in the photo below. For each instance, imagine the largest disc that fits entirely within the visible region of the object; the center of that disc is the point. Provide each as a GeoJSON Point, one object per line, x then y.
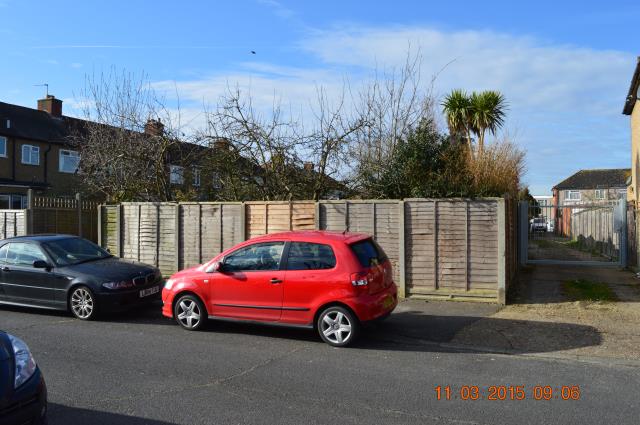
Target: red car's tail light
{"type": "Point", "coordinates": [359, 279]}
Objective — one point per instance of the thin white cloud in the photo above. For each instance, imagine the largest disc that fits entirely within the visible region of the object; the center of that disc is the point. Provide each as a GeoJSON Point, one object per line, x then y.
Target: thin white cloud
{"type": "Point", "coordinates": [278, 8]}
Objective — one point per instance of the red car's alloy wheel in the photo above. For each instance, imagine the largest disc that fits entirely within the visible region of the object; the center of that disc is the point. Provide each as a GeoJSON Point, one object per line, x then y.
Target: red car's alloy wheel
{"type": "Point", "coordinates": [337, 326]}
{"type": "Point", "coordinates": [190, 313]}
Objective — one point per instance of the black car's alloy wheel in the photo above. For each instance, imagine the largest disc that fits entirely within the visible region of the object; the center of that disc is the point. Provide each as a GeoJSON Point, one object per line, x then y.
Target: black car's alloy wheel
{"type": "Point", "coordinates": [190, 313]}
{"type": "Point", "coordinates": [82, 303]}
{"type": "Point", "coordinates": [337, 326]}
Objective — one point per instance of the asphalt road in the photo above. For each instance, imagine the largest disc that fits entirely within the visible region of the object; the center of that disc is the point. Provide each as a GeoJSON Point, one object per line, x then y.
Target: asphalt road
{"type": "Point", "coordinates": [142, 369]}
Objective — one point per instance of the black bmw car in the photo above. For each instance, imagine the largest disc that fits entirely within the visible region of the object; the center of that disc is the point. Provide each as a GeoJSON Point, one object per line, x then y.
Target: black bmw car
{"type": "Point", "coordinates": [70, 273]}
{"type": "Point", "coordinates": [23, 393]}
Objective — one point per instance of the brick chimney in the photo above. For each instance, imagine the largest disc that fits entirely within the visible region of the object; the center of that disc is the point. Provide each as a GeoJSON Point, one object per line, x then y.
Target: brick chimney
{"type": "Point", "coordinates": [154, 128]}
{"type": "Point", "coordinates": [308, 166]}
{"type": "Point", "coordinates": [51, 105]}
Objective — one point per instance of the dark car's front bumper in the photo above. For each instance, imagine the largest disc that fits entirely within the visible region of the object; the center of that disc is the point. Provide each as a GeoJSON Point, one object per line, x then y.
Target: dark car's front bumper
{"type": "Point", "coordinates": [27, 405]}
{"type": "Point", "coordinates": [119, 300]}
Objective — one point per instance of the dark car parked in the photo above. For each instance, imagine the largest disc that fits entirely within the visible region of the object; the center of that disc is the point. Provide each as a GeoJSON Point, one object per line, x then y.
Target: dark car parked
{"type": "Point", "coordinates": [23, 393]}
{"type": "Point", "coordinates": [70, 273]}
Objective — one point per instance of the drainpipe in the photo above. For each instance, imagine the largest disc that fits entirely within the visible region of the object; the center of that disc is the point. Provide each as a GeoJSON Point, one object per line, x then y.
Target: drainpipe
{"type": "Point", "coordinates": [46, 163]}
{"type": "Point", "coordinates": [13, 160]}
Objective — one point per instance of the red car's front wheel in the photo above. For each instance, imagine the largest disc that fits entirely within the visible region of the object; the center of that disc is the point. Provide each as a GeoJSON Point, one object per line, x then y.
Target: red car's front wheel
{"type": "Point", "coordinates": [190, 313]}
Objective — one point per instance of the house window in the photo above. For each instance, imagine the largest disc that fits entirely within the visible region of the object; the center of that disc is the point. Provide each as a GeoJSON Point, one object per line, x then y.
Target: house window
{"type": "Point", "coordinates": [18, 202]}
{"type": "Point", "coordinates": [572, 195]}
{"type": "Point", "coordinates": [3, 147]}
{"type": "Point", "coordinates": [68, 161]}
{"type": "Point", "coordinates": [600, 193]}
{"type": "Point", "coordinates": [196, 176]}
{"type": "Point", "coordinates": [13, 202]}
{"type": "Point", "coordinates": [176, 174]}
{"type": "Point", "coordinates": [30, 155]}
{"type": "Point", "coordinates": [622, 193]}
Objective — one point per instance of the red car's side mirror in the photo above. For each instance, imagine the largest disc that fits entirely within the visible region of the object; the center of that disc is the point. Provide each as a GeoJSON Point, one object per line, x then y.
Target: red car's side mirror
{"type": "Point", "coordinates": [216, 266]}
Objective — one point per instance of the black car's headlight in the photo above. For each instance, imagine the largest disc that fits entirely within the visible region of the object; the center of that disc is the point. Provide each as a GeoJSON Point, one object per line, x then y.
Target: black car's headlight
{"type": "Point", "coordinates": [118, 285]}
{"type": "Point", "coordinates": [25, 364]}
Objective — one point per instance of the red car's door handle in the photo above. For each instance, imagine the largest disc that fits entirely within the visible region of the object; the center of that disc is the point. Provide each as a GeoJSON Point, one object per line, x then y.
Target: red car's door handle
{"type": "Point", "coordinates": [275, 280]}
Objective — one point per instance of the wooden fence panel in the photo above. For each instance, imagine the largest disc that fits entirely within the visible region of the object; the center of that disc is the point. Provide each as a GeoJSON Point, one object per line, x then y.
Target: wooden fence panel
{"type": "Point", "coordinates": [13, 223]}
{"type": "Point", "coordinates": [483, 245]}
{"type": "Point", "coordinates": [420, 246]}
{"type": "Point", "coordinates": [386, 225]}
{"type": "Point", "coordinates": [452, 245]}
{"type": "Point", "coordinates": [333, 216]}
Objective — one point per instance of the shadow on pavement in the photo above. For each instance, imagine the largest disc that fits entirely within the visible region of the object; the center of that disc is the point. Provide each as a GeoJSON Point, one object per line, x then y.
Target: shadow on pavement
{"type": "Point", "coordinates": [508, 335]}
{"type": "Point", "coordinates": [66, 415]}
{"type": "Point", "coordinates": [412, 331]}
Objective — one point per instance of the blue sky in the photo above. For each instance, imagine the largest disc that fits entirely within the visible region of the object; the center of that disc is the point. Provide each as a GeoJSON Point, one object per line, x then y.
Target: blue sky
{"type": "Point", "coordinates": [564, 66]}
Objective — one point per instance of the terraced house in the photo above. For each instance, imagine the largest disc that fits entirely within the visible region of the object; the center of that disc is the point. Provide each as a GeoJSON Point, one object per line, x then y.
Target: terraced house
{"type": "Point", "coordinates": [590, 186]}
{"type": "Point", "coordinates": [34, 154]}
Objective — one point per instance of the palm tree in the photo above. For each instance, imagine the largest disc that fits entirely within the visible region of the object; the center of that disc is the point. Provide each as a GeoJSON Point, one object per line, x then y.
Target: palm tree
{"type": "Point", "coordinates": [488, 109]}
{"type": "Point", "coordinates": [457, 108]}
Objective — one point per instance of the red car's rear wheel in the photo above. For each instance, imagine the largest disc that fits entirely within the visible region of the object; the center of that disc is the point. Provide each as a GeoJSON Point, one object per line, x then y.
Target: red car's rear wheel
{"type": "Point", "coordinates": [337, 326]}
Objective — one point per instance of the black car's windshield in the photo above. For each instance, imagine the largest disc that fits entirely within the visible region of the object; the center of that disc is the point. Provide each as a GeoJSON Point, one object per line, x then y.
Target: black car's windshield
{"type": "Point", "coordinates": [67, 252]}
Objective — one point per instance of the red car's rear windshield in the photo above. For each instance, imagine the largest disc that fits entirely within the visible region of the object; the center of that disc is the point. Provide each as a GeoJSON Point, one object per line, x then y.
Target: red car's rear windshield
{"type": "Point", "coordinates": [369, 253]}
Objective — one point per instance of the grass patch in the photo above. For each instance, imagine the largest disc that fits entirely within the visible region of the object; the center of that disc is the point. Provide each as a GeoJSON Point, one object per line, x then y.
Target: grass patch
{"type": "Point", "coordinates": [543, 243]}
{"type": "Point", "coordinates": [586, 290]}
{"type": "Point", "coordinates": [573, 244]}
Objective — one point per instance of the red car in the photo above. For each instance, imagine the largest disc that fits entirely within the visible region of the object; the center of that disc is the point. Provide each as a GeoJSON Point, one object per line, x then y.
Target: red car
{"type": "Point", "coordinates": [329, 281]}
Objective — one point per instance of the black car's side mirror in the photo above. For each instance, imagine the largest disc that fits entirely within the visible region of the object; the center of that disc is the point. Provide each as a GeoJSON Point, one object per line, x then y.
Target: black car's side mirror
{"type": "Point", "coordinates": [41, 264]}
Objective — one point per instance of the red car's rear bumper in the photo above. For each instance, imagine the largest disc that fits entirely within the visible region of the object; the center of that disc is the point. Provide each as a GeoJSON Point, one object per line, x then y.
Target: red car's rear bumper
{"type": "Point", "coordinates": [371, 307]}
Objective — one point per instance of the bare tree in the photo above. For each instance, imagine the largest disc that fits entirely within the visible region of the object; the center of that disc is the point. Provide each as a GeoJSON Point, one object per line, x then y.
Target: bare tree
{"type": "Point", "coordinates": [127, 139]}
{"type": "Point", "coordinates": [392, 105]}
{"type": "Point", "coordinates": [277, 143]}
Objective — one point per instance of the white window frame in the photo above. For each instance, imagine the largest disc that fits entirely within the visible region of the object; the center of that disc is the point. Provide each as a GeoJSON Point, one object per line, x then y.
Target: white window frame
{"type": "Point", "coordinates": [601, 192]}
{"type": "Point", "coordinates": [568, 196]}
{"type": "Point", "coordinates": [197, 174]}
{"type": "Point", "coordinates": [176, 174]}
{"type": "Point", "coordinates": [33, 151]}
{"type": "Point", "coordinates": [68, 153]}
{"type": "Point", "coordinates": [3, 146]}
{"type": "Point", "coordinates": [622, 193]}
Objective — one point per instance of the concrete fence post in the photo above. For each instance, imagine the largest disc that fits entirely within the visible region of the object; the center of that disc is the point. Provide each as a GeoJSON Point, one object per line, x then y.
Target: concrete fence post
{"type": "Point", "coordinates": [177, 237]}
{"type": "Point", "coordinates": [243, 220]}
{"type": "Point", "coordinates": [118, 235]}
{"type": "Point", "coordinates": [100, 225]}
{"type": "Point", "coordinates": [79, 213]}
{"type": "Point", "coordinates": [28, 220]}
{"type": "Point", "coordinates": [502, 246]}
{"type": "Point", "coordinates": [316, 215]}
{"type": "Point", "coordinates": [402, 284]}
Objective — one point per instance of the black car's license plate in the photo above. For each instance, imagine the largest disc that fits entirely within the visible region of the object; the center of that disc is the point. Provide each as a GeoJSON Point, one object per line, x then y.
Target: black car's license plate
{"type": "Point", "coordinates": [149, 291]}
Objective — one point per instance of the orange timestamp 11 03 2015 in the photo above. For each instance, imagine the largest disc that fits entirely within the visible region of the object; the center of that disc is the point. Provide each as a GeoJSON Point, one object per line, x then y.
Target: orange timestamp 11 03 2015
{"type": "Point", "coordinates": [508, 392]}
